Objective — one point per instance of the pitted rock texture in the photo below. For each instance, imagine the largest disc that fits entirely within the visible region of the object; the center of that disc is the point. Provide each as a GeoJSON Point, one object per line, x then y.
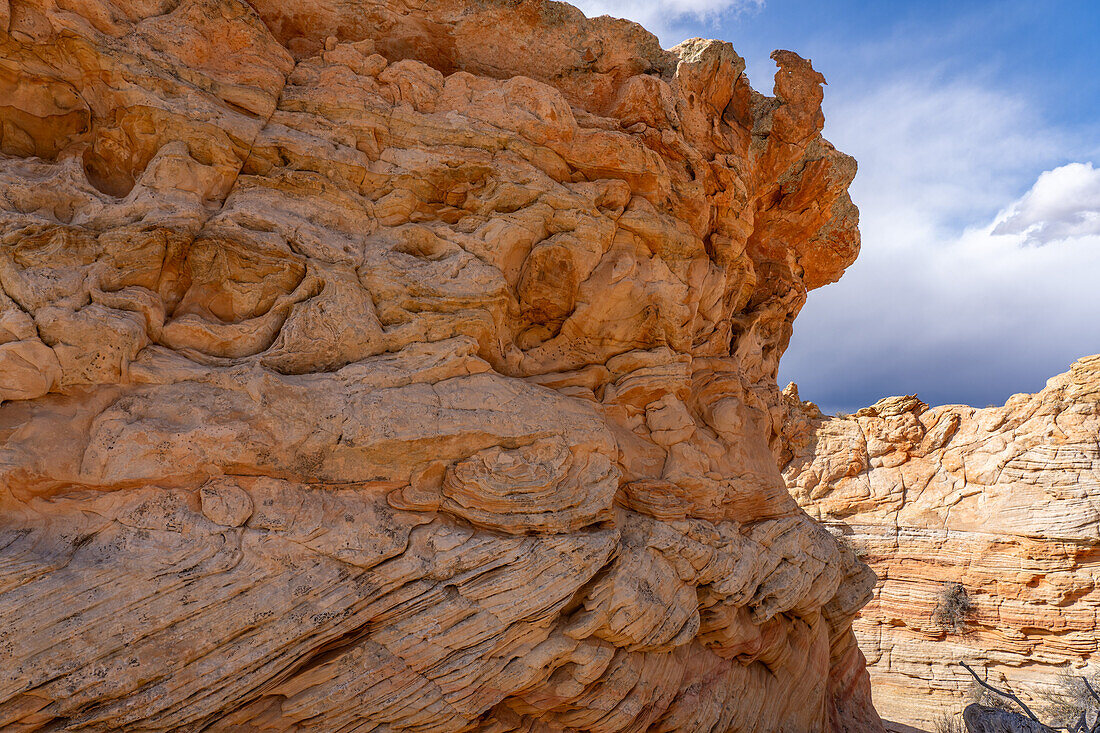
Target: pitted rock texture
{"type": "Point", "coordinates": [1004, 501]}
{"type": "Point", "coordinates": [375, 367]}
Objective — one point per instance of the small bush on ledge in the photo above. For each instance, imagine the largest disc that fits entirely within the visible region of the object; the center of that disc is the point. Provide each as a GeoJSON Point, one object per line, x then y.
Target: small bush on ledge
{"type": "Point", "coordinates": [955, 609]}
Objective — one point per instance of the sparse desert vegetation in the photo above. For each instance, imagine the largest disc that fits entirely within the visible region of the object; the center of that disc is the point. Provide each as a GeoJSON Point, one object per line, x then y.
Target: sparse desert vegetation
{"type": "Point", "coordinates": [1073, 705]}
{"type": "Point", "coordinates": [955, 609]}
{"type": "Point", "coordinates": [1074, 699]}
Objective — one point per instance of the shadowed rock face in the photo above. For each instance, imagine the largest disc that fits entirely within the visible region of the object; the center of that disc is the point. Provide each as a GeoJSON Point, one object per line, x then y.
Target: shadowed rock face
{"type": "Point", "coordinates": [370, 368]}
{"type": "Point", "coordinates": [1001, 501]}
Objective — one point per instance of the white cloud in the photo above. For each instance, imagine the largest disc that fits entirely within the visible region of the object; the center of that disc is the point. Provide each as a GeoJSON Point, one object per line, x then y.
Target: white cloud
{"type": "Point", "coordinates": [1063, 204]}
{"type": "Point", "coordinates": [951, 151]}
{"type": "Point", "coordinates": [946, 299]}
{"type": "Point", "coordinates": [666, 18]}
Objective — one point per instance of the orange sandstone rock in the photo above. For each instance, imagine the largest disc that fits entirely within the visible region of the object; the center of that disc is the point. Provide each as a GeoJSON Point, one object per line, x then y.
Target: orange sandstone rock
{"type": "Point", "coordinates": [1001, 500]}
{"type": "Point", "coordinates": [375, 367]}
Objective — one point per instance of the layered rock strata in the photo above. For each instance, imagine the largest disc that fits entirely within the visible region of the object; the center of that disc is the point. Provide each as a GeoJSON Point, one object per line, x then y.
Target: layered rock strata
{"type": "Point", "coordinates": [1002, 501]}
{"type": "Point", "coordinates": [369, 366]}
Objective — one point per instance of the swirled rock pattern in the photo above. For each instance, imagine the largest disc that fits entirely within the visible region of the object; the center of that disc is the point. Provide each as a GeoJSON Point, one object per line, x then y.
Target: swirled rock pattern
{"type": "Point", "coordinates": [386, 366]}
{"type": "Point", "coordinates": [1004, 501]}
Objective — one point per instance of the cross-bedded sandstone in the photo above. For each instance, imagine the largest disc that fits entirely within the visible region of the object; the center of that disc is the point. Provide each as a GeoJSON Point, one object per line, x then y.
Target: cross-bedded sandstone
{"type": "Point", "coordinates": [998, 502]}
{"type": "Point", "coordinates": [379, 366]}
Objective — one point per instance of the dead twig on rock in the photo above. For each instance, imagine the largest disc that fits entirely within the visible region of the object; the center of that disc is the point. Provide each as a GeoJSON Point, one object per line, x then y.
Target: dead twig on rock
{"type": "Point", "coordinates": [1088, 686]}
{"type": "Point", "coordinates": [1002, 693]}
{"type": "Point", "coordinates": [984, 718]}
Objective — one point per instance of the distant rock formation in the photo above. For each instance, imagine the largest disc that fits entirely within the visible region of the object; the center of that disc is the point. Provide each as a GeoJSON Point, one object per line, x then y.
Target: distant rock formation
{"type": "Point", "coordinates": [373, 367]}
{"type": "Point", "coordinates": [1001, 504]}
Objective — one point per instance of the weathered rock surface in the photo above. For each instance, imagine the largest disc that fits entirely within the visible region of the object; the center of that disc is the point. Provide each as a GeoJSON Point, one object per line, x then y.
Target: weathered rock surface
{"type": "Point", "coordinates": [1004, 501]}
{"type": "Point", "coordinates": [985, 719]}
{"type": "Point", "coordinates": [367, 367]}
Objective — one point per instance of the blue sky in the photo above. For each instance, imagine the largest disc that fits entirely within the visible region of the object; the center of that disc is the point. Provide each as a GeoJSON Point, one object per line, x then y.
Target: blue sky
{"type": "Point", "coordinates": [977, 130]}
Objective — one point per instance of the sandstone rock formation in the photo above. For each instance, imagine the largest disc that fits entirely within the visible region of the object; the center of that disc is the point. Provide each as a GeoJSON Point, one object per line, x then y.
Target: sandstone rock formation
{"type": "Point", "coordinates": [1002, 501]}
{"type": "Point", "coordinates": [380, 366]}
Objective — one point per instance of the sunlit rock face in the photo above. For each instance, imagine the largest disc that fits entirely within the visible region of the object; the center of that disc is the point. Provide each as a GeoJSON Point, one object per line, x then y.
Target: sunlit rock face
{"type": "Point", "coordinates": [366, 367]}
{"type": "Point", "coordinates": [1002, 501]}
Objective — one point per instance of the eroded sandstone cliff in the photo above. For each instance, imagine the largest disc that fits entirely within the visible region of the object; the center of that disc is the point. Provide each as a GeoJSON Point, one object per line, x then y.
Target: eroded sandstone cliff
{"type": "Point", "coordinates": [1001, 501]}
{"type": "Point", "coordinates": [381, 366]}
